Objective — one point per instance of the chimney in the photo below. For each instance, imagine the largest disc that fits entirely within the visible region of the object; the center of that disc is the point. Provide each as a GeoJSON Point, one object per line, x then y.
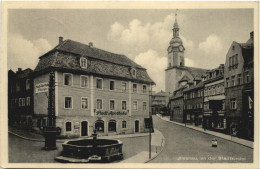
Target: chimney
{"type": "Point", "coordinates": [252, 35]}
{"type": "Point", "coordinates": [90, 44]}
{"type": "Point", "coordinates": [19, 69]}
{"type": "Point", "coordinates": [60, 40]}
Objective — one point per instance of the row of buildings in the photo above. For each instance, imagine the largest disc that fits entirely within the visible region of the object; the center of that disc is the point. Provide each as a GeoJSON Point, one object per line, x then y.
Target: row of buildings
{"type": "Point", "coordinates": [219, 99]}
{"type": "Point", "coordinates": [94, 89]}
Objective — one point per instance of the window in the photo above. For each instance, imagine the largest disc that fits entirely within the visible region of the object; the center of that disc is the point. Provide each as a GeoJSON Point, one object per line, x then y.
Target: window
{"type": "Point", "coordinates": [236, 61]}
{"type": "Point", "coordinates": [144, 88]}
{"type": "Point", "coordinates": [233, 47]}
{"type": "Point", "coordinates": [230, 61]}
{"type": "Point", "coordinates": [28, 101]}
{"type": "Point", "coordinates": [213, 90]}
{"type": "Point", "coordinates": [134, 105]}
{"type": "Point", "coordinates": [123, 124]}
{"type": "Point", "coordinates": [83, 62]}
{"type": "Point", "coordinates": [233, 103]}
{"type": "Point", "coordinates": [239, 79]}
{"type": "Point", "coordinates": [188, 116]}
{"type": "Point", "coordinates": [123, 86]}
{"type": "Point", "coordinates": [84, 103]}
{"type": "Point", "coordinates": [247, 77]}
{"type": "Point", "coordinates": [68, 103]}
{"type": "Point", "coordinates": [134, 72]}
{"type": "Point", "coordinates": [123, 105]}
{"type": "Point", "coordinates": [18, 88]}
{"type": "Point", "coordinates": [99, 125]}
{"type": "Point", "coordinates": [198, 93]}
{"type": "Point", "coordinates": [27, 85]}
{"type": "Point", "coordinates": [201, 92]}
{"type": "Point", "coordinates": [99, 104]}
{"type": "Point", "coordinates": [83, 81]}
{"type": "Point", "coordinates": [112, 105]}
{"type": "Point", "coordinates": [111, 85]}
{"type": "Point", "coordinates": [20, 102]}
{"type": "Point", "coordinates": [233, 81]}
{"type": "Point", "coordinates": [99, 83]}
{"type": "Point", "coordinates": [144, 105]}
{"type": "Point", "coordinates": [23, 101]}
{"type": "Point", "coordinates": [112, 126]}
{"type": "Point", "coordinates": [227, 82]}
{"type": "Point", "coordinates": [67, 79]}
{"type": "Point", "coordinates": [205, 92]}
{"type": "Point", "coordinates": [134, 88]}
{"type": "Point", "coordinates": [68, 126]}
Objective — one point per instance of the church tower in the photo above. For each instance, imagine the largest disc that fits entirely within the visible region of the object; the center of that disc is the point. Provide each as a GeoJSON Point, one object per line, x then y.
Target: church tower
{"type": "Point", "coordinates": [176, 48]}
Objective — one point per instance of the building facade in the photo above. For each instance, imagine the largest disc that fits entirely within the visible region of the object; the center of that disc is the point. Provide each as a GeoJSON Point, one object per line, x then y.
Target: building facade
{"type": "Point", "coordinates": [239, 87]}
{"type": "Point", "coordinates": [214, 116]}
{"type": "Point", "coordinates": [20, 98]}
{"type": "Point", "coordinates": [160, 102]}
{"type": "Point", "coordinates": [94, 89]}
{"type": "Point", "coordinates": [193, 103]}
{"type": "Point", "coordinates": [176, 106]}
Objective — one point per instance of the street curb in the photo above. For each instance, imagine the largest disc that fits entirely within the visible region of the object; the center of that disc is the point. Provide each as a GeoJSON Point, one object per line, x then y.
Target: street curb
{"type": "Point", "coordinates": [163, 143]}
{"type": "Point", "coordinates": [30, 139]}
{"type": "Point", "coordinates": [206, 133]}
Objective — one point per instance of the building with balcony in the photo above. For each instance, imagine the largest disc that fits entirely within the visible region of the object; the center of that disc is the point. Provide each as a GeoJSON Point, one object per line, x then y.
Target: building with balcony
{"type": "Point", "coordinates": [214, 100]}
{"type": "Point", "coordinates": [239, 87]}
{"type": "Point", "coordinates": [94, 89]}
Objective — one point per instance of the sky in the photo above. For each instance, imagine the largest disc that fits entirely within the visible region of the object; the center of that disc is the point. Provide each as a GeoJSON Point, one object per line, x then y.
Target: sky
{"type": "Point", "coordinates": [142, 35]}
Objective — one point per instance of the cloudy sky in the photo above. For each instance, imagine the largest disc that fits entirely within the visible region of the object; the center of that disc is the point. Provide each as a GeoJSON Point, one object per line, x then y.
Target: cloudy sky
{"type": "Point", "coordinates": [142, 35]}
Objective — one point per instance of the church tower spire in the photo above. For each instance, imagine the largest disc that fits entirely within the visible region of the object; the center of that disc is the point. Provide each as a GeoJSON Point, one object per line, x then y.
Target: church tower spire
{"type": "Point", "coordinates": [176, 48]}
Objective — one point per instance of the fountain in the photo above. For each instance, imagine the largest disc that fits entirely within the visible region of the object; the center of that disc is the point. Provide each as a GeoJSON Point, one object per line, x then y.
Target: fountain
{"type": "Point", "coordinates": [91, 150]}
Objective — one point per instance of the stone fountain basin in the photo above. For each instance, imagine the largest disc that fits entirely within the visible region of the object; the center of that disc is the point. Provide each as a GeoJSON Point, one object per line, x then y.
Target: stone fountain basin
{"type": "Point", "coordinates": [82, 150]}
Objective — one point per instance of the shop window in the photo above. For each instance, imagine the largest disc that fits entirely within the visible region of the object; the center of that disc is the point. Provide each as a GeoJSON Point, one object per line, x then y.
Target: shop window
{"type": "Point", "coordinates": [111, 85]}
{"type": "Point", "coordinates": [68, 126]}
{"type": "Point", "coordinates": [67, 79]}
{"type": "Point", "coordinates": [99, 104]}
{"type": "Point", "coordinates": [112, 126]}
{"type": "Point", "coordinates": [83, 81]}
{"type": "Point", "coordinates": [144, 88]}
{"type": "Point", "coordinates": [123, 87]}
{"type": "Point", "coordinates": [134, 105]}
{"type": "Point", "coordinates": [27, 85]}
{"type": "Point", "coordinates": [99, 84]}
{"type": "Point", "coordinates": [99, 125]}
{"type": "Point", "coordinates": [123, 105]}
{"type": "Point", "coordinates": [112, 105]}
{"type": "Point", "coordinates": [84, 103]}
{"type": "Point", "coordinates": [68, 103]}
{"type": "Point", "coordinates": [134, 88]}
{"type": "Point", "coordinates": [123, 124]}
{"type": "Point", "coordinates": [83, 62]}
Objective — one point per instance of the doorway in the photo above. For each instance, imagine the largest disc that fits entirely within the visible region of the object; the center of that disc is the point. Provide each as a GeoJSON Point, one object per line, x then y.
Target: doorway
{"type": "Point", "coordinates": [136, 126]}
{"type": "Point", "coordinates": [84, 128]}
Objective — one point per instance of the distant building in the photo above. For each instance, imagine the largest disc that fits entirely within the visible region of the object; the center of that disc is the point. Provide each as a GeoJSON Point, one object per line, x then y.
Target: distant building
{"type": "Point", "coordinates": [214, 100]}
{"type": "Point", "coordinates": [176, 69]}
{"type": "Point", "coordinates": [193, 102]}
{"type": "Point", "coordinates": [94, 89]}
{"type": "Point", "coordinates": [239, 84]}
{"type": "Point", "coordinates": [20, 98]}
{"type": "Point", "coordinates": [160, 101]}
{"type": "Point", "coordinates": [176, 106]}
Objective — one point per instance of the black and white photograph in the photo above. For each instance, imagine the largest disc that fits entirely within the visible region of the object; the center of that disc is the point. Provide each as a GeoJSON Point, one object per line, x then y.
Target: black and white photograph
{"type": "Point", "coordinates": [94, 83]}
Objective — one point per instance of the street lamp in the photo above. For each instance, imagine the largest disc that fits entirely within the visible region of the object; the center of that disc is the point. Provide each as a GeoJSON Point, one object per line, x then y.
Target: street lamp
{"type": "Point", "coordinates": [150, 121]}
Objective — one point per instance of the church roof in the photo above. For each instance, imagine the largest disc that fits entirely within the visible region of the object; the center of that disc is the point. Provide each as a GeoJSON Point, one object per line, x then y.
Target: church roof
{"type": "Point", "coordinates": [162, 93]}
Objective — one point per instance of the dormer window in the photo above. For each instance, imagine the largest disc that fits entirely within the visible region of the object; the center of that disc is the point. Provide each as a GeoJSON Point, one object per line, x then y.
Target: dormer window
{"type": "Point", "coordinates": [83, 62]}
{"type": "Point", "coordinates": [133, 72]}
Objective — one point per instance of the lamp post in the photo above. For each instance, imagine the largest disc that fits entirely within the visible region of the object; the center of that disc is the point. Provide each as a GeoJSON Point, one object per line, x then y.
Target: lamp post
{"type": "Point", "coordinates": [51, 131]}
{"type": "Point", "coordinates": [150, 121]}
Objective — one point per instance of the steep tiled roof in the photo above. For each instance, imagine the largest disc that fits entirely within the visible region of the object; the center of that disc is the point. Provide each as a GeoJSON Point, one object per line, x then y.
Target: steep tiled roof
{"type": "Point", "coordinates": [162, 93]}
{"type": "Point", "coordinates": [67, 56]}
{"type": "Point", "coordinates": [199, 85]}
{"type": "Point", "coordinates": [196, 72]}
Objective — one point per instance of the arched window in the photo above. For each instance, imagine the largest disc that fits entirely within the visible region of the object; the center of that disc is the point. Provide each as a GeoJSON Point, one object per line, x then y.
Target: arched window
{"type": "Point", "coordinates": [68, 126]}
{"type": "Point", "coordinates": [99, 125]}
{"type": "Point", "coordinates": [112, 126]}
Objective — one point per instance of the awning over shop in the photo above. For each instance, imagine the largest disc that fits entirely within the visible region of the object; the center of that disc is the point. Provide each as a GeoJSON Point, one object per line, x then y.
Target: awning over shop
{"type": "Point", "coordinates": [219, 97]}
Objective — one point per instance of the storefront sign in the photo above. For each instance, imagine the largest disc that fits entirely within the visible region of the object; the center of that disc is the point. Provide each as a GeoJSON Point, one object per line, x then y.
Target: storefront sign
{"type": "Point", "coordinates": [42, 87]}
{"type": "Point", "coordinates": [110, 113]}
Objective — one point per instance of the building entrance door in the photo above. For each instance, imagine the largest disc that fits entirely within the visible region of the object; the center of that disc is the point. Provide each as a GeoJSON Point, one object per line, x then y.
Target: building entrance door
{"type": "Point", "coordinates": [84, 128]}
{"type": "Point", "coordinates": [136, 126]}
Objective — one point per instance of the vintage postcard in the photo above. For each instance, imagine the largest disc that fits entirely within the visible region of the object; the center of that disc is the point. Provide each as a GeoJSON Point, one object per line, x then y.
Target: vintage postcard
{"type": "Point", "coordinates": [129, 84]}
